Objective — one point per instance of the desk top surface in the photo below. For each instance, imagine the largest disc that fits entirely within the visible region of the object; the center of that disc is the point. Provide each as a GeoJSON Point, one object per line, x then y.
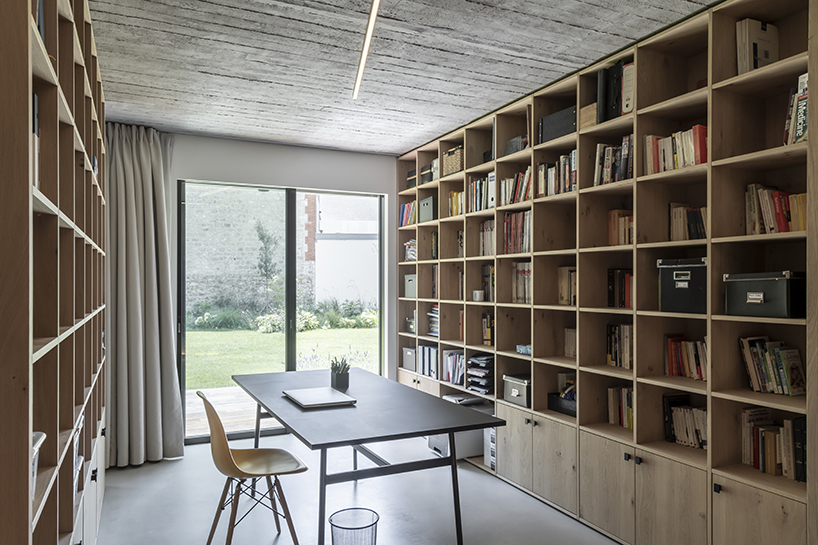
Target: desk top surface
{"type": "Point", "coordinates": [385, 410]}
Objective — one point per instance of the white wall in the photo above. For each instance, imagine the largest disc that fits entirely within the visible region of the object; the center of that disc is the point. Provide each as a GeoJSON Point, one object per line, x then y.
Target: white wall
{"type": "Point", "coordinates": [234, 161]}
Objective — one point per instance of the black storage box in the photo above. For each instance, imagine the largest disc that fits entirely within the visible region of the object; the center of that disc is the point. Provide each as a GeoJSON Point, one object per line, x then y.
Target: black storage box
{"type": "Point", "coordinates": [780, 294]}
{"type": "Point", "coordinates": [411, 179]}
{"type": "Point", "coordinates": [683, 285]}
{"type": "Point", "coordinates": [558, 124]}
{"type": "Point", "coordinates": [561, 405]}
{"type": "Point", "coordinates": [426, 174]}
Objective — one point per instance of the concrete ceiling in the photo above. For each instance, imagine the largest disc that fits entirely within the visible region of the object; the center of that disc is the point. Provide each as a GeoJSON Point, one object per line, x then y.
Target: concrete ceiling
{"type": "Point", "coordinates": [283, 71]}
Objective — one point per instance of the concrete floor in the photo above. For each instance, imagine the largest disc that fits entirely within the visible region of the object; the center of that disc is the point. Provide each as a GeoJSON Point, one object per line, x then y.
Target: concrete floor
{"type": "Point", "coordinates": [173, 503]}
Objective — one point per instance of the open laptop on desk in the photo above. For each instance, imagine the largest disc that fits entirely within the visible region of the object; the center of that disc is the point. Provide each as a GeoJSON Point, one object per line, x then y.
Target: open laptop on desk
{"type": "Point", "coordinates": [315, 398]}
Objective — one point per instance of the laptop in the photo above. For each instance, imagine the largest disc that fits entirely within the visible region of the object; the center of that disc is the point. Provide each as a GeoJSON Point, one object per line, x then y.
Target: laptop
{"type": "Point", "coordinates": [312, 398]}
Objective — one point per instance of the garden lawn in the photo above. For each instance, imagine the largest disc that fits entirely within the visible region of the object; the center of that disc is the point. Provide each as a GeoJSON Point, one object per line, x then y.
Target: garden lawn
{"type": "Point", "coordinates": [212, 357]}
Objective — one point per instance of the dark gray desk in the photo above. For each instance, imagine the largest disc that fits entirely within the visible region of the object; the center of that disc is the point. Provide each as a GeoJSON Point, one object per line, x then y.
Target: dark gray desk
{"type": "Point", "coordinates": [385, 411]}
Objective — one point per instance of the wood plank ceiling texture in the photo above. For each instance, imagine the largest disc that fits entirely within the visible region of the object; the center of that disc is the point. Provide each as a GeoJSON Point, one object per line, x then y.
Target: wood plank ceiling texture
{"type": "Point", "coordinates": [283, 71]}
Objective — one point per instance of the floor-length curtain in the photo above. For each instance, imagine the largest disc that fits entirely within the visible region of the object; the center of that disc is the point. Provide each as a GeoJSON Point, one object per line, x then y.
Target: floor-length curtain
{"type": "Point", "coordinates": [145, 408]}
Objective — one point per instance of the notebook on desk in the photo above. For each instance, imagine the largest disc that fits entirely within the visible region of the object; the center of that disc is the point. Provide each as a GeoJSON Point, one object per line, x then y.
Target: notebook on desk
{"type": "Point", "coordinates": [311, 398]}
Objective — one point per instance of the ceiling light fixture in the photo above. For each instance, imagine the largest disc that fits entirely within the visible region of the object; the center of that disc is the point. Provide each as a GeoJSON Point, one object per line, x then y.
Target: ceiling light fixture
{"type": "Point", "coordinates": [370, 26]}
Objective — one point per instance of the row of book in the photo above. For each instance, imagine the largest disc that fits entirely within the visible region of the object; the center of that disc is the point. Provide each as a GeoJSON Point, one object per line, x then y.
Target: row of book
{"type": "Point", "coordinates": [619, 339]}
{"type": "Point", "coordinates": [768, 210]}
{"type": "Point", "coordinates": [567, 285]}
{"type": "Point", "coordinates": [487, 281]}
{"type": "Point", "coordinates": [685, 358]}
{"type": "Point", "coordinates": [427, 361]}
{"type": "Point", "coordinates": [756, 44]}
{"type": "Point", "coordinates": [480, 193]}
{"type": "Point", "coordinates": [488, 328]}
{"type": "Point", "coordinates": [453, 368]}
{"type": "Point", "coordinates": [480, 374]}
{"type": "Point", "coordinates": [772, 448]}
{"type": "Point", "coordinates": [410, 248]}
{"type": "Point", "coordinates": [516, 189]}
{"type": "Point", "coordinates": [684, 425]}
{"type": "Point", "coordinates": [457, 203]}
{"type": "Point", "coordinates": [772, 366]}
{"type": "Point", "coordinates": [408, 213]}
{"type": "Point", "coordinates": [679, 150]}
{"type": "Point", "coordinates": [559, 177]}
{"type": "Point", "coordinates": [686, 223]}
{"type": "Point", "coordinates": [521, 286]}
{"type": "Point", "coordinates": [434, 281]}
{"type": "Point", "coordinates": [620, 407]}
{"type": "Point", "coordinates": [517, 232]}
{"type": "Point", "coordinates": [433, 249]}
{"type": "Point", "coordinates": [487, 246]}
{"type": "Point", "coordinates": [434, 321]}
{"type": "Point", "coordinates": [795, 125]}
{"type": "Point", "coordinates": [620, 288]}
{"type": "Point", "coordinates": [614, 91]}
{"type": "Point", "coordinates": [614, 163]}
{"type": "Point", "coordinates": [620, 227]}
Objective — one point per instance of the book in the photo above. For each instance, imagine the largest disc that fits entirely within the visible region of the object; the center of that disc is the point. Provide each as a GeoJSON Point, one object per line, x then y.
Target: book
{"type": "Point", "coordinates": [790, 360]}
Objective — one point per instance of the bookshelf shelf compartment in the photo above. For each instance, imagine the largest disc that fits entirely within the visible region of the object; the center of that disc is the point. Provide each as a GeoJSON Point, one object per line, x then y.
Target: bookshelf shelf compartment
{"type": "Point", "coordinates": [676, 383]}
{"type": "Point", "coordinates": [682, 176]}
{"type": "Point", "coordinates": [777, 484]}
{"type": "Point", "coordinates": [609, 431]}
{"type": "Point", "coordinates": [678, 107]}
{"type": "Point", "coordinates": [694, 457]}
{"type": "Point", "coordinates": [794, 404]}
{"type": "Point", "coordinates": [608, 371]}
{"type": "Point", "coordinates": [613, 127]}
{"type": "Point", "coordinates": [768, 80]}
{"type": "Point", "coordinates": [768, 159]}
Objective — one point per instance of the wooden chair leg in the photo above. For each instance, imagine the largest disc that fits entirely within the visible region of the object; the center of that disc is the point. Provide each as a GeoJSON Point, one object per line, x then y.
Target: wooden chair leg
{"type": "Point", "coordinates": [286, 511]}
{"type": "Point", "coordinates": [233, 513]}
{"type": "Point", "coordinates": [218, 511]}
{"type": "Point", "coordinates": [273, 502]}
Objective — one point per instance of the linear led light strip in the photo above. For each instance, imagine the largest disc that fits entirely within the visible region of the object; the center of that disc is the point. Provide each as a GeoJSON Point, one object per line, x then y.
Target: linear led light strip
{"type": "Point", "coordinates": [370, 26]}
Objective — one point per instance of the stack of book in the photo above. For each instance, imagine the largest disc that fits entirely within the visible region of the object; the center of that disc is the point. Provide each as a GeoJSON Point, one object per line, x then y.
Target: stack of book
{"type": "Point", "coordinates": [679, 150]}
{"type": "Point", "coordinates": [614, 163]}
{"type": "Point", "coordinates": [427, 361]}
{"type": "Point", "coordinates": [620, 345]}
{"type": "Point", "coordinates": [487, 280]}
{"type": "Point", "coordinates": [521, 285]}
{"type": "Point", "coordinates": [434, 321]}
{"type": "Point", "coordinates": [620, 407]}
{"type": "Point", "coordinates": [411, 250]}
{"type": "Point", "coordinates": [559, 177]}
{"type": "Point", "coordinates": [457, 203]}
{"type": "Point", "coordinates": [480, 374]}
{"type": "Point", "coordinates": [453, 367]}
{"type": "Point", "coordinates": [756, 44]}
{"type": "Point", "coordinates": [620, 227]}
{"type": "Point", "coordinates": [517, 232]}
{"type": "Point", "coordinates": [488, 328]}
{"type": "Point", "coordinates": [516, 189]}
{"type": "Point", "coordinates": [408, 214]}
{"type": "Point", "coordinates": [567, 285]}
{"type": "Point", "coordinates": [795, 124]}
{"type": "Point", "coordinates": [487, 246]}
{"type": "Point", "coordinates": [686, 223]}
{"type": "Point", "coordinates": [685, 358]}
{"type": "Point", "coordinates": [684, 425]}
{"type": "Point", "coordinates": [768, 210]}
{"type": "Point", "coordinates": [480, 193]}
{"type": "Point", "coordinates": [773, 367]}
{"type": "Point", "coordinates": [772, 448]}
{"type": "Point", "coordinates": [620, 282]}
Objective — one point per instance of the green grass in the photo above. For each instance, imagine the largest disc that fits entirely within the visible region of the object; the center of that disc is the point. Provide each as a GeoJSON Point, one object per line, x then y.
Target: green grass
{"type": "Point", "coordinates": [211, 357]}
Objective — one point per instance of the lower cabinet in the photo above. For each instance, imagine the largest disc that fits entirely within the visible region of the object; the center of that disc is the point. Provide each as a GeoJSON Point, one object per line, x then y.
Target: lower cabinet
{"type": "Point", "coordinates": [538, 454]}
{"type": "Point", "coordinates": [750, 516]}
{"type": "Point", "coordinates": [422, 383]}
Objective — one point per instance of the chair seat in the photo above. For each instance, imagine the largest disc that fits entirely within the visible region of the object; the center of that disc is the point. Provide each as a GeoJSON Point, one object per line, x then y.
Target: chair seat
{"type": "Point", "coordinates": [259, 462]}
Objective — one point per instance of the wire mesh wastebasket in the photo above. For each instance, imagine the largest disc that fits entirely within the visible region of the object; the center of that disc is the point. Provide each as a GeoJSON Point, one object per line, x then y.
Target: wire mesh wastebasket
{"type": "Point", "coordinates": [354, 526]}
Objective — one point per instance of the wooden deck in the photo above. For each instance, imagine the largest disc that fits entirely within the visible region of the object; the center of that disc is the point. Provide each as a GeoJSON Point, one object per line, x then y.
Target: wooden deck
{"type": "Point", "coordinates": [236, 409]}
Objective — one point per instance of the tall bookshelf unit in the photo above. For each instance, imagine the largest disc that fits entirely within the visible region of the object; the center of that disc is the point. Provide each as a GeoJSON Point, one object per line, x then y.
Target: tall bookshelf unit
{"type": "Point", "coordinates": [630, 483]}
{"type": "Point", "coordinates": [52, 211]}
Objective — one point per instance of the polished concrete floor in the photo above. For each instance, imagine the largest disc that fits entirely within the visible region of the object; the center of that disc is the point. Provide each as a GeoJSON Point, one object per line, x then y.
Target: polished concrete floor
{"type": "Point", "coordinates": [173, 503]}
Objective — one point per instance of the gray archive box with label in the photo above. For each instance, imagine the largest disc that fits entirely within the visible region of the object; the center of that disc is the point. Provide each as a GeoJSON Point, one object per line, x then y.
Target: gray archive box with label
{"type": "Point", "coordinates": [410, 286]}
{"type": "Point", "coordinates": [409, 359]}
{"type": "Point", "coordinates": [428, 209]}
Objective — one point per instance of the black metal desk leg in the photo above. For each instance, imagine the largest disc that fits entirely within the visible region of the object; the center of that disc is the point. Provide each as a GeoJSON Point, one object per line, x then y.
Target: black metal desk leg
{"type": "Point", "coordinates": [257, 435]}
{"type": "Point", "coordinates": [322, 497]}
{"type": "Point", "coordinates": [354, 459]}
{"type": "Point", "coordinates": [456, 491]}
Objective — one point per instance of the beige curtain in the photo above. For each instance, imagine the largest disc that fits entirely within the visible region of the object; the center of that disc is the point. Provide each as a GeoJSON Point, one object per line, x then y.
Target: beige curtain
{"type": "Point", "coordinates": [145, 406]}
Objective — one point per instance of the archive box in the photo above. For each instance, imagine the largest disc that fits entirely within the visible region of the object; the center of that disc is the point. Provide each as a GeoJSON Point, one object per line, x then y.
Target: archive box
{"type": "Point", "coordinates": [411, 178]}
{"type": "Point", "coordinates": [683, 285]}
{"type": "Point", "coordinates": [558, 124]}
{"type": "Point", "coordinates": [780, 294]}
{"type": "Point", "coordinates": [426, 174]}
{"type": "Point", "coordinates": [409, 357]}
{"type": "Point", "coordinates": [428, 209]}
{"type": "Point", "coordinates": [410, 286]}
{"type": "Point", "coordinates": [517, 389]}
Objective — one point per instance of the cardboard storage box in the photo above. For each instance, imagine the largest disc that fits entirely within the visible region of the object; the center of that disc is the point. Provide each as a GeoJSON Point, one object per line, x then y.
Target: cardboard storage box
{"type": "Point", "coordinates": [517, 389]}
{"type": "Point", "coordinates": [780, 294]}
{"type": "Point", "coordinates": [410, 286]}
{"type": "Point", "coordinates": [683, 285]}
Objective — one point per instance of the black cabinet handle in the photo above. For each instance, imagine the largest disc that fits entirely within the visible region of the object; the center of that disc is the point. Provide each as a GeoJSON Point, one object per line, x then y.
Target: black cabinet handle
{"type": "Point", "coordinates": [627, 457]}
{"type": "Point", "coordinates": [638, 460]}
{"type": "Point", "coordinates": [528, 421]}
{"type": "Point", "coordinates": [533, 422]}
{"type": "Point", "coordinates": [717, 488]}
{"type": "Point", "coordinates": [102, 433]}
{"type": "Point", "coordinates": [94, 475]}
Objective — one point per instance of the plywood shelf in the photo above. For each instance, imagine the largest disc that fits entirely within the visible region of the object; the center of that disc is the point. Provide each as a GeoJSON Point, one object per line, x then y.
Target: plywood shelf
{"type": "Point", "coordinates": [753, 477]}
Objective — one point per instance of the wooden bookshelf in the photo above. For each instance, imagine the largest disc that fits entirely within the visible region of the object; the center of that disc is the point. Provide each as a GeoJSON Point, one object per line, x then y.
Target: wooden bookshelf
{"type": "Point", "coordinates": [53, 292]}
{"type": "Point", "coordinates": [630, 483]}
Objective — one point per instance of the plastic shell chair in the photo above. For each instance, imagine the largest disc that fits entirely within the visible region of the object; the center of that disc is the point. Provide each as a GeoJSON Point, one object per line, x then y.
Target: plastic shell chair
{"type": "Point", "coordinates": [239, 465]}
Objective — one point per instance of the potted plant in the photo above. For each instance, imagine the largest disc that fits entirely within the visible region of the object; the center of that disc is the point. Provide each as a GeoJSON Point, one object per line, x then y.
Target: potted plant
{"type": "Point", "coordinates": [340, 373]}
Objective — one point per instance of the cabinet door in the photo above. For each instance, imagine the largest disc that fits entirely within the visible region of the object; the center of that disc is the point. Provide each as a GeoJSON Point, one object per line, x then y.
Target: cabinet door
{"type": "Point", "coordinates": [429, 386]}
{"type": "Point", "coordinates": [606, 485]}
{"type": "Point", "coordinates": [89, 498]}
{"type": "Point", "coordinates": [751, 516]}
{"type": "Point", "coordinates": [407, 378]}
{"type": "Point", "coordinates": [514, 445]}
{"type": "Point", "coordinates": [555, 462]}
{"type": "Point", "coordinates": [671, 502]}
